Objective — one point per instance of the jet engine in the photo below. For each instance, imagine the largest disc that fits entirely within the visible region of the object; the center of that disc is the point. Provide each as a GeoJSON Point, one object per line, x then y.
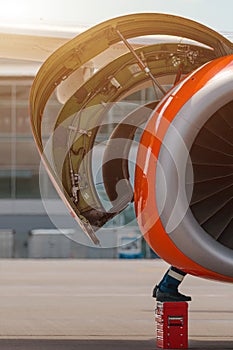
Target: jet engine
{"type": "Point", "coordinates": [183, 188]}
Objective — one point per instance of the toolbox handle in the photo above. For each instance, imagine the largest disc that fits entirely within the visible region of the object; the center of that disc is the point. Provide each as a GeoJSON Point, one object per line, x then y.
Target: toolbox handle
{"type": "Point", "coordinates": [177, 321]}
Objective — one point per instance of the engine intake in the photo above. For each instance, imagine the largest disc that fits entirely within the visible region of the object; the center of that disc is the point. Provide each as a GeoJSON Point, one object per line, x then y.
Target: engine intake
{"type": "Point", "coordinates": [190, 136]}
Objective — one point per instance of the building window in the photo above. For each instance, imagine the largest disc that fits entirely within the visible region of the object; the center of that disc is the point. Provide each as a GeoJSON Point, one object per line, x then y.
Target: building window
{"type": "Point", "coordinates": [19, 157]}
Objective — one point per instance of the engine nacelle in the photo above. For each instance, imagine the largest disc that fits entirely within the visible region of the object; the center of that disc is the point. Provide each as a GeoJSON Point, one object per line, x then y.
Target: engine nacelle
{"type": "Point", "coordinates": [184, 177]}
{"type": "Point", "coordinates": [183, 187]}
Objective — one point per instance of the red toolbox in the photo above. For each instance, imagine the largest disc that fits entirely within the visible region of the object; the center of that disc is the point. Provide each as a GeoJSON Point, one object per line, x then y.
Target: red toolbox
{"type": "Point", "coordinates": [172, 325]}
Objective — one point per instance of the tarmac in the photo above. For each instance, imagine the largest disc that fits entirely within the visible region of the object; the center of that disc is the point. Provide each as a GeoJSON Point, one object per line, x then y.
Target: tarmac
{"type": "Point", "coordinates": [102, 304]}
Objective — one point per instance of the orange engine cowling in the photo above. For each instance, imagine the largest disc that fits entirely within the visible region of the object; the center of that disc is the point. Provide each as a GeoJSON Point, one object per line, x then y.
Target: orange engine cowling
{"type": "Point", "coordinates": [184, 174]}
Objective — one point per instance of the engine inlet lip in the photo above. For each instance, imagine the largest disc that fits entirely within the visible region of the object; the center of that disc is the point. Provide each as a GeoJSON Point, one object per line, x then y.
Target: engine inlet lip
{"type": "Point", "coordinates": [188, 235]}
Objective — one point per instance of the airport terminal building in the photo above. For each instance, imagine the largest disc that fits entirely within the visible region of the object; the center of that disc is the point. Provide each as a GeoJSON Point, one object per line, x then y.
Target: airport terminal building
{"type": "Point", "coordinates": [28, 200]}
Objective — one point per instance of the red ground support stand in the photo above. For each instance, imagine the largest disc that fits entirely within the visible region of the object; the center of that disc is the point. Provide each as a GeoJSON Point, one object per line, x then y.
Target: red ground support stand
{"type": "Point", "coordinates": [172, 325]}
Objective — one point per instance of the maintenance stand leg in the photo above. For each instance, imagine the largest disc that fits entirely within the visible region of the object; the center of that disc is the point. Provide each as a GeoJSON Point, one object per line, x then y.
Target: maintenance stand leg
{"type": "Point", "coordinates": [172, 325]}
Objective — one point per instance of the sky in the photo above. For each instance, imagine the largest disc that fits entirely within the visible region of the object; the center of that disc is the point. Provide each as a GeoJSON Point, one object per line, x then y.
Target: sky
{"type": "Point", "coordinates": [217, 14]}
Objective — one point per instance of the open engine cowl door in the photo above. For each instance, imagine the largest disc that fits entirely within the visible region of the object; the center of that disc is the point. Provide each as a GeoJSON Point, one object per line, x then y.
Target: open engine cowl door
{"type": "Point", "coordinates": [68, 154]}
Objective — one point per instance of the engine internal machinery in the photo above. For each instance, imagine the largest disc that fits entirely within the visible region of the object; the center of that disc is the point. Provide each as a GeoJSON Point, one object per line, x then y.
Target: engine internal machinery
{"type": "Point", "coordinates": [183, 183]}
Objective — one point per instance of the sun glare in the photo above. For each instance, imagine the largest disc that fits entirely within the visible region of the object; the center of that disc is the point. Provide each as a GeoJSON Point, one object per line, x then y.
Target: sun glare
{"type": "Point", "coordinates": [26, 11]}
{"type": "Point", "coordinates": [15, 11]}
